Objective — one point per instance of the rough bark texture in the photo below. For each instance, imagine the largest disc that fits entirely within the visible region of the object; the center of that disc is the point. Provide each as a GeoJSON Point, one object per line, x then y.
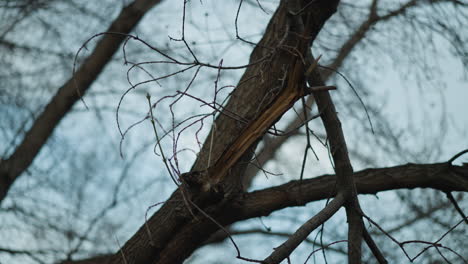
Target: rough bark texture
{"type": "Point", "coordinates": [439, 176]}
{"type": "Point", "coordinates": [272, 144]}
{"type": "Point", "coordinates": [172, 234]}
{"type": "Point", "coordinates": [277, 64]}
{"type": "Point", "coordinates": [69, 94]}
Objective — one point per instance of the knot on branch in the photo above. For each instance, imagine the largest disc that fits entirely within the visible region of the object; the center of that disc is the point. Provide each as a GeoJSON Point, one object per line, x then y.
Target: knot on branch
{"type": "Point", "coordinates": [194, 179]}
{"type": "Point", "coordinates": [200, 187]}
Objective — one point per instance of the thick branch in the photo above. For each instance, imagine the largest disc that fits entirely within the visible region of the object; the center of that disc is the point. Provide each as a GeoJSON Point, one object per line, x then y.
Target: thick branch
{"type": "Point", "coordinates": [69, 94]}
{"type": "Point", "coordinates": [172, 234]}
{"type": "Point", "coordinates": [272, 144]}
{"type": "Point", "coordinates": [438, 176]}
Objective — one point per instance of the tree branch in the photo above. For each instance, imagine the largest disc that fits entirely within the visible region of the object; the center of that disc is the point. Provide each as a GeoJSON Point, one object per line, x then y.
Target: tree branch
{"type": "Point", "coordinates": [272, 144]}
{"type": "Point", "coordinates": [283, 251]}
{"type": "Point", "coordinates": [343, 168]}
{"type": "Point", "coordinates": [221, 236]}
{"type": "Point", "coordinates": [373, 247]}
{"type": "Point", "coordinates": [172, 233]}
{"type": "Point", "coordinates": [438, 176]}
{"type": "Point", "coordinates": [69, 94]}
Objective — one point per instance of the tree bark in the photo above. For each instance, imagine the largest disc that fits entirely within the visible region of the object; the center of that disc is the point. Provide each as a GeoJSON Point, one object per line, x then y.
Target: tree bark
{"type": "Point", "coordinates": [438, 176]}
{"type": "Point", "coordinates": [172, 233]}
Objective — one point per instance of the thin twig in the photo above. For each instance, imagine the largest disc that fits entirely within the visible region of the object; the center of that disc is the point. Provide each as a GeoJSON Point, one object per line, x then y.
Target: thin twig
{"type": "Point", "coordinates": [457, 207]}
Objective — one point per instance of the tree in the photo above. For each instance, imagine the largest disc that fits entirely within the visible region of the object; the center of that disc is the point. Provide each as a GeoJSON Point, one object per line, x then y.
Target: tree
{"type": "Point", "coordinates": [280, 73]}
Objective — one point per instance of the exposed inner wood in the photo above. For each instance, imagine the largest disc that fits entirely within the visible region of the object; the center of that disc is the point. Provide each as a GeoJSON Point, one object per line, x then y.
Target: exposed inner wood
{"type": "Point", "coordinates": [293, 91]}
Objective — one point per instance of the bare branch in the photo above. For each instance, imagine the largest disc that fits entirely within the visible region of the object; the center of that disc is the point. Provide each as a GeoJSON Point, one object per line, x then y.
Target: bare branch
{"type": "Point", "coordinates": [69, 94]}
{"type": "Point", "coordinates": [373, 247]}
{"type": "Point", "coordinates": [283, 251]}
{"type": "Point", "coordinates": [244, 206]}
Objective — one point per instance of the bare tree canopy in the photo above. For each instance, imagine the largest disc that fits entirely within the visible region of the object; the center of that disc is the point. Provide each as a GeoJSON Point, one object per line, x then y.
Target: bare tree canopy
{"type": "Point", "coordinates": [151, 131]}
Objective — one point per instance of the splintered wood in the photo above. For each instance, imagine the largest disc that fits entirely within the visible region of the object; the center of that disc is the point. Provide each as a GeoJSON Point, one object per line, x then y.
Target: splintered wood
{"type": "Point", "coordinates": [293, 91]}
